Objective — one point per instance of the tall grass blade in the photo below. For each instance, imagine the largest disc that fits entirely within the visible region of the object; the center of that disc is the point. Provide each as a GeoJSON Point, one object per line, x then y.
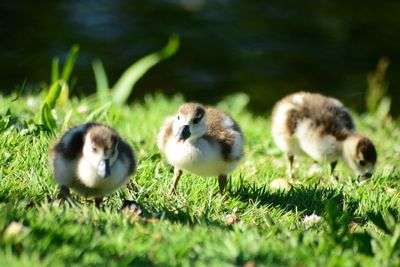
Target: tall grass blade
{"type": "Point", "coordinates": [124, 86]}
{"type": "Point", "coordinates": [53, 95]}
{"type": "Point", "coordinates": [19, 90]}
{"type": "Point", "coordinates": [99, 113]}
{"type": "Point", "coordinates": [100, 75]}
{"type": "Point", "coordinates": [67, 118]}
{"type": "Point", "coordinates": [69, 63]}
{"type": "Point", "coordinates": [55, 70]}
{"type": "Point", "coordinates": [47, 118]}
{"type": "Point", "coordinates": [377, 86]}
{"type": "Point", "coordinates": [59, 89]}
{"type": "Point", "coordinates": [64, 94]}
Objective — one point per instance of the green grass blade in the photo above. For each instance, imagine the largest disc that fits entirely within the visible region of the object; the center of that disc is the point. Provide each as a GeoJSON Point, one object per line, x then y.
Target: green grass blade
{"type": "Point", "coordinates": [47, 117]}
{"type": "Point", "coordinates": [19, 90]}
{"type": "Point", "coordinates": [100, 75]}
{"type": "Point", "coordinates": [99, 113]}
{"type": "Point", "coordinates": [59, 88]}
{"type": "Point", "coordinates": [124, 86]}
{"type": "Point", "coordinates": [66, 120]}
{"type": "Point", "coordinates": [70, 62]}
{"type": "Point", "coordinates": [53, 95]}
{"type": "Point", "coordinates": [55, 70]}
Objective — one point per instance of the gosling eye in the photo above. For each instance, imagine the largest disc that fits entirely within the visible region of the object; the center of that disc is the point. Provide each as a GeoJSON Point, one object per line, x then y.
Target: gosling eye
{"type": "Point", "coordinates": [178, 117]}
{"type": "Point", "coordinates": [196, 120]}
{"type": "Point", "coordinates": [94, 149]}
{"type": "Point", "coordinates": [362, 163]}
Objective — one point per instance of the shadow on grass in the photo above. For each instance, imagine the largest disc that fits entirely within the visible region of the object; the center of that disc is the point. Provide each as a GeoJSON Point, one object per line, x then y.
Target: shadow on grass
{"type": "Point", "coordinates": [182, 215]}
{"type": "Point", "coordinates": [303, 199]}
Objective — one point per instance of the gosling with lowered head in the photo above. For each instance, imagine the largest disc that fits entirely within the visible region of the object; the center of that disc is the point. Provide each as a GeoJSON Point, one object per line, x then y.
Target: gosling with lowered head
{"type": "Point", "coordinates": [322, 128]}
{"type": "Point", "coordinates": [92, 160]}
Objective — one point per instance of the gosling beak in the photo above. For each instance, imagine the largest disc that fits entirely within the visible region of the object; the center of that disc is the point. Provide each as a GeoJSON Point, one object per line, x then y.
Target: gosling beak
{"type": "Point", "coordinates": [104, 168]}
{"type": "Point", "coordinates": [183, 134]}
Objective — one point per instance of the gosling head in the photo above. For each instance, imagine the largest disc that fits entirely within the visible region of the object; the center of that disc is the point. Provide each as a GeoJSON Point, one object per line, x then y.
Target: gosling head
{"type": "Point", "coordinates": [189, 123]}
{"type": "Point", "coordinates": [360, 155]}
{"type": "Point", "coordinates": [100, 149]}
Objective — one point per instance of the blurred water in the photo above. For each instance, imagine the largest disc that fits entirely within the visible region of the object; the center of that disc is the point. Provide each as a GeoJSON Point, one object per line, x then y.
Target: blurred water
{"type": "Point", "coordinates": [264, 48]}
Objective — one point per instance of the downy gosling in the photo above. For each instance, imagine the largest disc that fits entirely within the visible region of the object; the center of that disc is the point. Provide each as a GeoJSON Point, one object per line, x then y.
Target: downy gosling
{"type": "Point", "coordinates": [321, 128]}
{"type": "Point", "coordinates": [201, 140]}
{"type": "Point", "coordinates": [92, 160]}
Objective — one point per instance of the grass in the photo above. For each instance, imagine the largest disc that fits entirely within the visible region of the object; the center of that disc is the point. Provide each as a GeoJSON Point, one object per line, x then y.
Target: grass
{"type": "Point", "coordinates": [359, 227]}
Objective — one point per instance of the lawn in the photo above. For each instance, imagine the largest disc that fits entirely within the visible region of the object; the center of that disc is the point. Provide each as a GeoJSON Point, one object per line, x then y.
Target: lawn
{"type": "Point", "coordinates": [251, 225]}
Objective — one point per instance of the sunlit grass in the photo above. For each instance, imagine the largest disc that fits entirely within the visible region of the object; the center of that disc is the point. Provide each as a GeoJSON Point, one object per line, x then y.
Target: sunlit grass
{"type": "Point", "coordinates": [191, 228]}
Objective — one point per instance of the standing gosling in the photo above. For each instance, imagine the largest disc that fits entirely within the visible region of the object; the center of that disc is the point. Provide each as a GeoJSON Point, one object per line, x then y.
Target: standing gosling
{"type": "Point", "coordinates": [321, 128]}
{"type": "Point", "coordinates": [201, 140]}
{"type": "Point", "coordinates": [92, 160]}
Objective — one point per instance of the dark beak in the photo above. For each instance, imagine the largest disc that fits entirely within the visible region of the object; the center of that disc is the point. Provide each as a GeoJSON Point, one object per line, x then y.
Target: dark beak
{"type": "Point", "coordinates": [104, 168]}
{"type": "Point", "coordinates": [365, 176]}
{"type": "Point", "coordinates": [184, 132]}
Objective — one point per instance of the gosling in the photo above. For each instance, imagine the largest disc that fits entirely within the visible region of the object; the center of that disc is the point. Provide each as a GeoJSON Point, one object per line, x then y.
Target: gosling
{"type": "Point", "coordinates": [201, 140]}
{"type": "Point", "coordinates": [92, 160]}
{"type": "Point", "coordinates": [321, 127]}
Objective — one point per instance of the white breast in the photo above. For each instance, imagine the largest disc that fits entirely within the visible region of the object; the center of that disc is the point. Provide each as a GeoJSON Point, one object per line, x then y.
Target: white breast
{"type": "Point", "coordinates": [97, 185]}
{"type": "Point", "coordinates": [200, 157]}
{"type": "Point", "coordinates": [313, 143]}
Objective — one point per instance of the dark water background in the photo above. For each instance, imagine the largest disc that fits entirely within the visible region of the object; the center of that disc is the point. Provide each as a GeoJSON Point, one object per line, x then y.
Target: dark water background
{"type": "Point", "coordinates": [263, 48]}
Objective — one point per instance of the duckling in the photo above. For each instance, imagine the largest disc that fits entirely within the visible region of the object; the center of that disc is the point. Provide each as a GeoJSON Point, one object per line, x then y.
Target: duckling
{"type": "Point", "coordinates": [201, 140]}
{"type": "Point", "coordinates": [92, 160]}
{"type": "Point", "coordinates": [322, 128]}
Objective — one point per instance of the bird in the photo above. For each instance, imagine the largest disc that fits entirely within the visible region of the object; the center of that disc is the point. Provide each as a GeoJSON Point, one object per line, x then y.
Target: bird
{"type": "Point", "coordinates": [322, 128]}
{"type": "Point", "coordinates": [92, 160]}
{"type": "Point", "coordinates": [202, 140]}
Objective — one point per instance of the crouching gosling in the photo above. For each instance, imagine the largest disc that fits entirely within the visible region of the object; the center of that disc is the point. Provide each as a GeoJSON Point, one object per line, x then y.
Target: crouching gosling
{"type": "Point", "coordinates": [92, 160]}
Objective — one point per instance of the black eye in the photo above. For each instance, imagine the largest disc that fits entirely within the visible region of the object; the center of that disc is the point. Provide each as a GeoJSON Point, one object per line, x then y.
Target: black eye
{"type": "Point", "coordinates": [196, 120]}
{"type": "Point", "coordinates": [178, 117]}
{"type": "Point", "coordinates": [362, 163]}
{"type": "Point", "coordinates": [94, 149]}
